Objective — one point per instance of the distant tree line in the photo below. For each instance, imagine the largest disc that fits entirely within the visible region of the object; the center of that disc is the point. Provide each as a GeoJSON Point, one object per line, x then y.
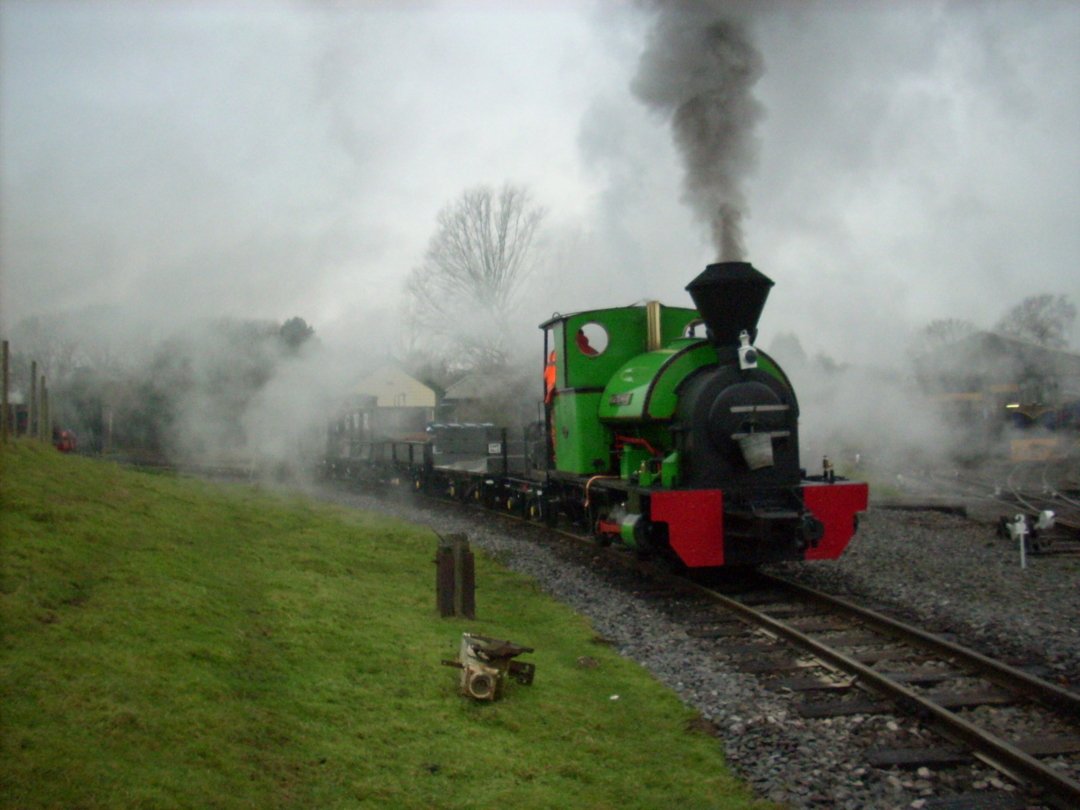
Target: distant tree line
{"type": "Point", "coordinates": [1045, 320]}
{"type": "Point", "coordinates": [184, 395]}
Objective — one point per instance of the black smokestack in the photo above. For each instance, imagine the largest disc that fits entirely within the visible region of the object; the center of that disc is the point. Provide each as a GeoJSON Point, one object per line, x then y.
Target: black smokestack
{"type": "Point", "coordinates": [698, 68]}
{"type": "Point", "coordinates": [730, 297]}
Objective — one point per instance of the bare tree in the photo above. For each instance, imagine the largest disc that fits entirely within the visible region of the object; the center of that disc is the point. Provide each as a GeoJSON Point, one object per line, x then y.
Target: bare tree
{"type": "Point", "coordinates": [468, 288]}
{"type": "Point", "coordinates": [1043, 319]}
{"type": "Point", "coordinates": [50, 342]}
{"type": "Point", "coordinates": [940, 333]}
{"type": "Point", "coordinates": [294, 333]}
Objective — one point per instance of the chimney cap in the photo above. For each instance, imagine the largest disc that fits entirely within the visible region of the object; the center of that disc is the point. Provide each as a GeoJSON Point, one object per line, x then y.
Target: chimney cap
{"type": "Point", "coordinates": [730, 297]}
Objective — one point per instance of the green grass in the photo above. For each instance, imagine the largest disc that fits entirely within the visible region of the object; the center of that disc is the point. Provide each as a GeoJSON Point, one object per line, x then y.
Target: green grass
{"type": "Point", "coordinates": [167, 643]}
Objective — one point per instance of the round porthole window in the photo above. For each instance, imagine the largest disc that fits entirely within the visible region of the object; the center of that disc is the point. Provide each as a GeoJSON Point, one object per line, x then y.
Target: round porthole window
{"type": "Point", "coordinates": [592, 339]}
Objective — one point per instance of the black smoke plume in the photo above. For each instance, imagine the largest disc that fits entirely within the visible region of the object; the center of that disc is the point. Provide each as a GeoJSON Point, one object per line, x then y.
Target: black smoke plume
{"type": "Point", "coordinates": [699, 68]}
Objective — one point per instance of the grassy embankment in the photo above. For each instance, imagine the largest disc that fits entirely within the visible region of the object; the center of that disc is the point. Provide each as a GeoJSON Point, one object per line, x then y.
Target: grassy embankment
{"type": "Point", "coordinates": [167, 643]}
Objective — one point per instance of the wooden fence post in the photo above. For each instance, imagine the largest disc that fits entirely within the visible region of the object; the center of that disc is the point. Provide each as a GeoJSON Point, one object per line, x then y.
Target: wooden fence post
{"type": "Point", "coordinates": [455, 577]}
{"type": "Point", "coordinates": [7, 407]}
{"type": "Point", "coordinates": [31, 415]}
{"type": "Point", "coordinates": [44, 423]}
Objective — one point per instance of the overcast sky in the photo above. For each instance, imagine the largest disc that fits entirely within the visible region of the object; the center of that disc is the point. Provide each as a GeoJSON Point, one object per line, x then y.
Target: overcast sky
{"type": "Point", "coordinates": [175, 160]}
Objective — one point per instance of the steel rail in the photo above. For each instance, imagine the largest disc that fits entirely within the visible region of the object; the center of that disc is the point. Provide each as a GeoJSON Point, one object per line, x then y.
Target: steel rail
{"type": "Point", "coordinates": [996, 752]}
{"type": "Point", "coordinates": [1047, 693]}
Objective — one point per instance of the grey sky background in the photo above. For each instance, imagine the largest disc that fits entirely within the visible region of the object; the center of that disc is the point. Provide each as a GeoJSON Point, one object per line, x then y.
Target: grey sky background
{"type": "Point", "coordinates": [162, 162]}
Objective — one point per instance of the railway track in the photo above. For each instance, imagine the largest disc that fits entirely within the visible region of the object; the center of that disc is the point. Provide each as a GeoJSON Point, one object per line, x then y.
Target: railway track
{"type": "Point", "coordinates": [1035, 489]}
{"type": "Point", "coordinates": [1028, 488]}
{"type": "Point", "coordinates": [863, 662]}
{"type": "Point", "coordinates": [814, 644]}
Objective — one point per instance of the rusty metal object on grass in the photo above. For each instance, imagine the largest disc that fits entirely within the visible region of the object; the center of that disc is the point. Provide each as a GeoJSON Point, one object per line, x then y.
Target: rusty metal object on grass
{"type": "Point", "coordinates": [485, 662]}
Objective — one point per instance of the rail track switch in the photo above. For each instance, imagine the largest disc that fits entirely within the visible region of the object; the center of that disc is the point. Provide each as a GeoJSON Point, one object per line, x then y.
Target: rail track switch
{"type": "Point", "coordinates": [485, 664]}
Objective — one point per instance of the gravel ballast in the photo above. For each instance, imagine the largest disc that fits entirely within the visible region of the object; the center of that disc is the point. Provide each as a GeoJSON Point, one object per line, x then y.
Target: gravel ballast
{"type": "Point", "coordinates": [950, 574]}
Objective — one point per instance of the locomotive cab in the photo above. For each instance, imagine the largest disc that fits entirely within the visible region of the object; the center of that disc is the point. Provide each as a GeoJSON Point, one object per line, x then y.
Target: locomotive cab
{"type": "Point", "coordinates": [584, 352]}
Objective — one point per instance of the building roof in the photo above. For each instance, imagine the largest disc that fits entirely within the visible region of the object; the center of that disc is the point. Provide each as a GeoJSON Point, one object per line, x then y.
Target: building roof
{"type": "Point", "coordinates": [474, 386]}
{"type": "Point", "coordinates": [392, 387]}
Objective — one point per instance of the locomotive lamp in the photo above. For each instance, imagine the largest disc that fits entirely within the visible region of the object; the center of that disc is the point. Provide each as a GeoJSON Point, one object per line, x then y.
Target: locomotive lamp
{"type": "Point", "coordinates": [747, 353]}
